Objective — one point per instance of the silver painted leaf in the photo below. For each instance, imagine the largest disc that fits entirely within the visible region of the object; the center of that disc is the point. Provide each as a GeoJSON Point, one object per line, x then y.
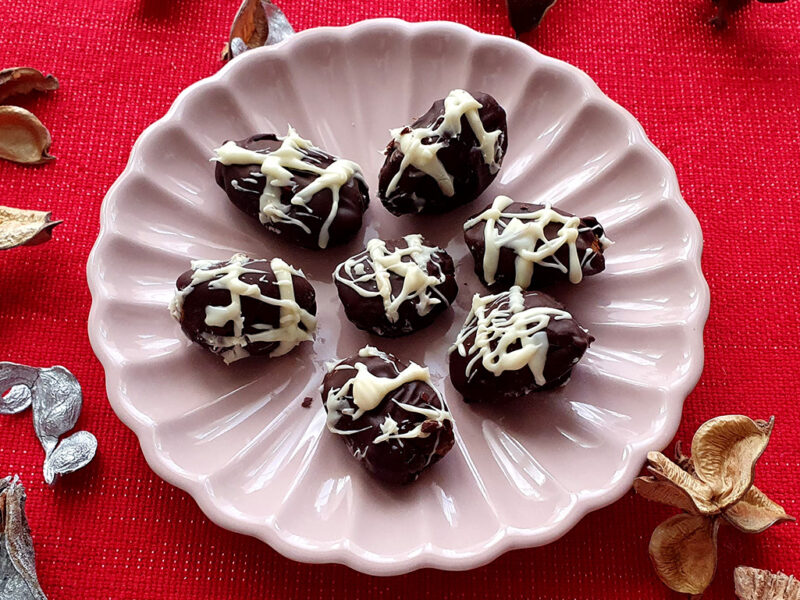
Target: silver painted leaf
{"type": "Point", "coordinates": [18, 541]}
{"type": "Point", "coordinates": [16, 400]}
{"type": "Point", "coordinates": [17, 381]}
{"type": "Point", "coordinates": [12, 585]}
{"type": "Point", "coordinates": [73, 453]}
{"type": "Point", "coordinates": [57, 401]}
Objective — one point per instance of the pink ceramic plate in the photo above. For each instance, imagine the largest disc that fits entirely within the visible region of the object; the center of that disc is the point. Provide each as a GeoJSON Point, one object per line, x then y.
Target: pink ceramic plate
{"type": "Point", "coordinates": [237, 438]}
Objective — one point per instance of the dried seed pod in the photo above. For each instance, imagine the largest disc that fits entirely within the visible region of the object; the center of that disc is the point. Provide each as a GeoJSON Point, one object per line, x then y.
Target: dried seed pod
{"type": "Point", "coordinates": [758, 584]}
{"type": "Point", "coordinates": [57, 401]}
{"type": "Point", "coordinates": [754, 512]}
{"type": "Point", "coordinates": [683, 550]}
{"type": "Point", "coordinates": [698, 491]}
{"type": "Point", "coordinates": [18, 541]}
{"type": "Point", "coordinates": [20, 227]}
{"type": "Point", "coordinates": [24, 80]}
{"type": "Point", "coordinates": [257, 23]}
{"type": "Point", "coordinates": [526, 15]}
{"type": "Point", "coordinates": [664, 492]}
{"type": "Point", "coordinates": [724, 454]}
{"type": "Point", "coordinates": [73, 453]}
{"type": "Point", "coordinates": [23, 138]}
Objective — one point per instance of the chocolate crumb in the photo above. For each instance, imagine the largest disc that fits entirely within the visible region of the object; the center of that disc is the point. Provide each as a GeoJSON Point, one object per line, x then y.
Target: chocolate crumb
{"type": "Point", "coordinates": [307, 402]}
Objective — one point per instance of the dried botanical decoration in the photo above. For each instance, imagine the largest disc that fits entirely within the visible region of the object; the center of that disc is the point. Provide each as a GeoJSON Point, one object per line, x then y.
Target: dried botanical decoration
{"type": "Point", "coordinates": [56, 398]}
{"type": "Point", "coordinates": [257, 23]}
{"type": "Point", "coordinates": [757, 584]}
{"type": "Point", "coordinates": [526, 15]}
{"type": "Point", "coordinates": [714, 484]}
{"type": "Point", "coordinates": [23, 138]}
{"type": "Point", "coordinates": [18, 580]}
{"type": "Point", "coordinates": [725, 8]}
{"type": "Point", "coordinates": [20, 227]}
{"type": "Point", "coordinates": [18, 81]}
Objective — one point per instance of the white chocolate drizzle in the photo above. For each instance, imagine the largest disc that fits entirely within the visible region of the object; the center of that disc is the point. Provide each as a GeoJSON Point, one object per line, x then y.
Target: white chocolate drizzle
{"type": "Point", "coordinates": [422, 156]}
{"type": "Point", "coordinates": [275, 166]}
{"type": "Point", "coordinates": [368, 391]}
{"type": "Point", "coordinates": [417, 283]}
{"type": "Point", "coordinates": [524, 233]}
{"type": "Point", "coordinates": [289, 332]}
{"type": "Point", "coordinates": [507, 325]}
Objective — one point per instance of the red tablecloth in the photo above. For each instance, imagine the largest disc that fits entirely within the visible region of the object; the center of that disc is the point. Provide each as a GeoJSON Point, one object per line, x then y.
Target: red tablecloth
{"type": "Point", "coordinates": [724, 107]}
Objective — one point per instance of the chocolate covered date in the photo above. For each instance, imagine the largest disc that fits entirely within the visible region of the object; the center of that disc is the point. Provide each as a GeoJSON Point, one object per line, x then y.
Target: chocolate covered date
{"type": "Point", "coordinates": [389, 415]}
{"type": "Point", "coordinates": [293, 188]}
{"type": "Point", "coordinates": [396, 287]}
{"type": "Point", "coordinates": [515, 343]}
{"type": "Point", "coordinates": [445, 158]}
{"type": "Point", "coordinates": [243, 307]}
{"type": "Point", "coordinates": [532, 245]}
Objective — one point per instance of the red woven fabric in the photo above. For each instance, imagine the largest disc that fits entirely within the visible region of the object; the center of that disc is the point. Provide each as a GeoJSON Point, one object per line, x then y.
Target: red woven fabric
{"type": "Point", "coordinates": [724, 107]}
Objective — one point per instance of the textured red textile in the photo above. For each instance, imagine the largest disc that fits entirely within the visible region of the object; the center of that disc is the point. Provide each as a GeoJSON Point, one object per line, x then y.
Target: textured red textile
{"type": "Point", "coordinates": [723, 106]}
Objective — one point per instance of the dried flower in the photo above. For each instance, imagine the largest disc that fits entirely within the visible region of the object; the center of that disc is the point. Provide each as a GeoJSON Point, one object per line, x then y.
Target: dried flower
{"type": "Point", "coordinates": [23, 138]}
{"type": "Point", "coordinates": [715, 482]}
{"type": "Point", "coordinates": [757, 584]}
{"type": "Point", "coordinates": [18, 580]}
{"type": "Point", "coordinates": [525, 15]}
{"type": "Point", "coordinates": [725, 8]}
{"type": "Point", "coordinates": [56, 398]}
{"type": "Point", "coordinates": [24, 228]}
{"type": "Point", "coordinates": [257, 23]}
{"type": "Point", "coordinates": [24, 80]}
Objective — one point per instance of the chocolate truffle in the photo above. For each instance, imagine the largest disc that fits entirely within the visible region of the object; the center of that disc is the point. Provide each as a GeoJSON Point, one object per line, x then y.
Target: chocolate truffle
{"type": "Point", "coordinates": [396, 287]}
{"type": "Point", "coordinates": [245, 307]}
{"type": "Point", "coordinates": [515, 343]}
{"type": "Point", "coordinates": [533, 245]}
{"type": "Point", "coordinates": [294, 189]}
{"type": "Point", "coordinates": [445, 158]}
{"type": "Point", "coordinates": [387, 413]}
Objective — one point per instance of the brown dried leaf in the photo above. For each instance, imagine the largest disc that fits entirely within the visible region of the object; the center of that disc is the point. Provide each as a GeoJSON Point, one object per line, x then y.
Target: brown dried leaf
{"type": "Point", "coordinates": [526, 15]}
{"type": "Point", "coordinates": [699, 492]}
{"type": "Point", "coordinates": [20, 227]}
{"type": "Point", "coordinates": [683, 550]}
{"type": "Point", "coordinates": [664, 492]}
{"type": "Point", "coordinates": [23, 138]}
{"type": "Point", "coordinates": [757, 584]}
{"type": "Point", "coordinates": [257, 23]}
{"type": "Point", "coordinates": [18, 541]}
{"type": "Point", "coordinates": [724, 454]}
{"type": "Point", "coordinates": [24, 80]}
{"type": "Point", "coordinates": [755, 512]}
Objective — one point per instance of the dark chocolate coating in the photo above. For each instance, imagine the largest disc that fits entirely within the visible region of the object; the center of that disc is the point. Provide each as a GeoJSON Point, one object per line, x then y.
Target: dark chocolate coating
{"type": "Point", "coordinates": [567, 342]}
{"type": "Point", "coordinates": [368, 313]}
{"type": "Point", "coordinates": [392, 460]}
{"type": "Point", "coordinates": [245, 195]}
{"type": "Point", "coordinates": [255, 312]}
{"type": "Point", "coordinates": [588, 237]}
{"type": "Point", "coordinates": [460, 155]}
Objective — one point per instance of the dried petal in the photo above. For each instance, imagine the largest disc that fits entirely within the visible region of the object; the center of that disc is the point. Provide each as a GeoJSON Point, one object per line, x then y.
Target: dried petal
{"type": "Point", "coordinates": [57, 402]}
{"type": "Point", "coordinates": [684, 552]}
{"type": "Point", "coordinates": [12, 585]}
{"type": "Point", "coordinates": [16, 380]}
{"type": "Point", "coordinates": [755, 512]}
{"type": "Point", "coordinates": [664, 492]}
{"type": "Point", "coordinates": [724, 454]}
{"type": "Point", "coordinates": [18, 542]}
{"type": "Point", "coordinates": [73, 453]}
{"type": "Point", "coordinates": [23, 138]}
{"type": "Point", "coordinates": [757, 584]}
{"type": "Point", "coordinates": [24, 80]}
{"type": "Point", "coordinates": [257, 23]}
{"type": "Point", "coordinates": [24, 227]}
{"type": "Point", "coordinates": [525, 15]}
{"type": "Point", "coordinates": [699, 492]}
{"type": "Point", "coordinates": [16, 400]}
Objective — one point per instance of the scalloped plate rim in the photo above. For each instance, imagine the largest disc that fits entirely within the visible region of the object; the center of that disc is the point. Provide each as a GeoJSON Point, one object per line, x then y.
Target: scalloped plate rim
{"type": "Point", "coordinates": [344, 551]}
